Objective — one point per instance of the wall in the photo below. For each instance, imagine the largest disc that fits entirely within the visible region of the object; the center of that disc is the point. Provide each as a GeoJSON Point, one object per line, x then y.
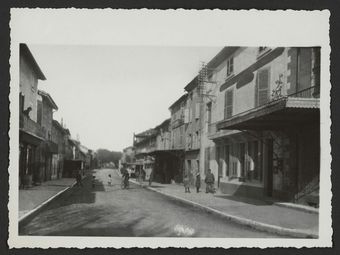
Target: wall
{"type": "Point", "coordinates": [47, 117]}
{"type": "Point", "coordinates": [243, 99]}
{"type": "Point", "coordinates": [177, 129]}
{"type": "Point", "coordinates": [29, 87]}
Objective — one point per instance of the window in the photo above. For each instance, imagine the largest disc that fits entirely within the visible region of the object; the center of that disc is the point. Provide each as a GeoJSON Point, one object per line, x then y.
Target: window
{"type": "Point", "coordinates": [208, 121]}
{"type": "Point", "coordinates": [262, 87]}
{"type": "Point", "coordinates": [226, 159]}
{"type": "Point", "coordinates": [39, 112]}
{"type": "Point", "coordinates": [228, 103]}
{"type": "Point", "coordinates": [230, 66]}
{"type": "Point", "coordinates": [197, 111]}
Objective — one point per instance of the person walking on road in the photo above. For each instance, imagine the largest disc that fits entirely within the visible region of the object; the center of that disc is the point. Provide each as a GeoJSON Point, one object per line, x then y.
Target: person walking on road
{"type": "Point", "coordinates": [209, 180]}
{"type": "Point", "coordinates": [109, 181]}
{"type": "Point", "coordinates": [186, 184]}
{"type": "Point", "coordinates": [125, 178]}
{"type": "Point", "coordinates": [198, 182]}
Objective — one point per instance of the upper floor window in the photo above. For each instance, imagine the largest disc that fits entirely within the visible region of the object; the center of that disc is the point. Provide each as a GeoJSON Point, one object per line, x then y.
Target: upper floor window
{"type": "Point", "coordinates": [230, 66]}
{"type": "Point", "coordinates": [228, 103]}
{"type": "Point", "coordinates": [262, 87]}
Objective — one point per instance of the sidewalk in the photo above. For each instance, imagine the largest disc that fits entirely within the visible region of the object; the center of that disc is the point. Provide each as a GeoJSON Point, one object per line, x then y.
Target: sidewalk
{"type": "Point", "coordinates": [254, 213]}
{"type": "Point", "coordinates": [31, 198]}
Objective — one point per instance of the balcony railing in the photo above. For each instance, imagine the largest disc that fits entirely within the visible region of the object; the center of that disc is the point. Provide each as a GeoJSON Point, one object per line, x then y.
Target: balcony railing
{"type": "Point", "coordinates": [311, 92]}
{"type": "Point", "coordinates": [177, 122]}
{"type": "Point", "coordinates": [30, 126]}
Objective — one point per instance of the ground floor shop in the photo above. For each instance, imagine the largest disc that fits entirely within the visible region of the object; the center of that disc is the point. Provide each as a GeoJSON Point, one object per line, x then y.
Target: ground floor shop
{"type": "Point", "coordinates": [29, 160]}
{"type": "Point", "coordinates": [281, 164]}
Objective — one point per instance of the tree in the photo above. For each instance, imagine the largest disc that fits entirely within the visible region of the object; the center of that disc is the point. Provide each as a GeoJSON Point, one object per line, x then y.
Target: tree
{"type": "Point", "coordinates": [106, 156]}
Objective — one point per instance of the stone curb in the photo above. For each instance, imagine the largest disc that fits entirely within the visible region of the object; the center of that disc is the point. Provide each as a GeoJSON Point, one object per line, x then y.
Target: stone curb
{"type": "Point", "coordinates": [298, 207]}
{"type": "Point", "coordinates": [31, 214]}
{"type": "Point", "coordinates": [296, 233]}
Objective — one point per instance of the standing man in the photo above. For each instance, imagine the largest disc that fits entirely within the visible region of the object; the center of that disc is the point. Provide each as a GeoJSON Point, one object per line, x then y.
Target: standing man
{"type": "Point", "coordinates": [198, 182]}
{"type": "Point", "coordinates": [78, 179]}
{"type": "Point", "coordinates": [209, 180]}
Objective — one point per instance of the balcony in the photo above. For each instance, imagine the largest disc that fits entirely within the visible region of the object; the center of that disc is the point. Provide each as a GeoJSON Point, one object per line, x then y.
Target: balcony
{"type": "Point", "coordinates": [178, 122]}
{"type": "Point", "coordinates": [30, 127]}
{"type": "Point", "coordinates": [287, 111]}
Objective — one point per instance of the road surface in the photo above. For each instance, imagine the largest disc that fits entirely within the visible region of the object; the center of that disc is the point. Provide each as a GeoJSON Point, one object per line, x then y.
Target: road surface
{"type": "Point", "coordinates": [110, 211]}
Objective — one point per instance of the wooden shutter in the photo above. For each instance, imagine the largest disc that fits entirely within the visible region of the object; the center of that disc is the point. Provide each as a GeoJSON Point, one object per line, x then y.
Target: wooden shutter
{"type": "Point", "coordinates": [228, 103]}
{"type": "Point", "coordinates": [197, 111]}
{"type": "Point", "coordinates": [262, 86]}
{"type": "Point", "coordinates": [186, 115]}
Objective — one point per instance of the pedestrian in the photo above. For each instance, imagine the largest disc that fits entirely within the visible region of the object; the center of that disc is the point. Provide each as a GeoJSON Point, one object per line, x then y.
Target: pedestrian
{"type": "Point", "coordinates": [198, 182]}
{"type": "Point", "coordinates": [93, 181]}
{"type": "Point", "coordinates": [209, 180]}
{"type": "Point", "coordinates": [109, 181]}
{"type": "Point", "coordinates": [186, 184]}
{"type": "Point", "coordinates": [151, 177]}
{"type": "Point", "coordinates": [78, 179]}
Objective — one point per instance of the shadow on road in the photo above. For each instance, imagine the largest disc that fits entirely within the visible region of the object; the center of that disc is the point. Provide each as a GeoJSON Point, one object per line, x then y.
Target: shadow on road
{"type": "Point", "coordinates": [79, 195]}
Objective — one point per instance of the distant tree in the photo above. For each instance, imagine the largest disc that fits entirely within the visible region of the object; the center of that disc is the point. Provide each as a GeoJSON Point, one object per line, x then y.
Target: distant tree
{"type": "Point", "coordinates": [106, 156]}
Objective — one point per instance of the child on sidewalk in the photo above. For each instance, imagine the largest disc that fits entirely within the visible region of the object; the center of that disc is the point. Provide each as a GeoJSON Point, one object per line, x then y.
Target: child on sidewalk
{"type": "Point", "coordinates": [109, 180]}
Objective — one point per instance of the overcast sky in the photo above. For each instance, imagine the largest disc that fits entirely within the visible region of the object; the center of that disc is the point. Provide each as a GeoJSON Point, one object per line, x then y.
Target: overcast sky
{"type": "Point", "coordinates": [106, 93]}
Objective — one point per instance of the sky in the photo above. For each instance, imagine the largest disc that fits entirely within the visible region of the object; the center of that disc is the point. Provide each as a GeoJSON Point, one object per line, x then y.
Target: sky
{"type": "Point", "coordinates": [105, 94]}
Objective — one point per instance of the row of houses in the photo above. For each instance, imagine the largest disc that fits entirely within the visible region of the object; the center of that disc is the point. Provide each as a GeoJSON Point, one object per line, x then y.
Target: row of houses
{"type": "Point", "coordinates": [47, 150]}
{"type": "Point", "coordinates": [252, 116]}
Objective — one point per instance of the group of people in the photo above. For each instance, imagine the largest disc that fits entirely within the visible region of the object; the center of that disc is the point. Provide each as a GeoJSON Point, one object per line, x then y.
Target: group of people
{"type": "Point", "coordinates": [209, 181]}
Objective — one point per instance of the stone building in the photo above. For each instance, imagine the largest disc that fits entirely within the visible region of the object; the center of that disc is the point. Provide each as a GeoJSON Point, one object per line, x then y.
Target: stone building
{"type": "Point", "coordinates": [48, 150]}
{"type": "Point", "coordinates": [31, 134]}
{"type": "Point", "coordinates": [262, 122]}
{"type": "Point", "coordinates": [58, 137]}
{"type": "Point", "coordinates": [192, 129]}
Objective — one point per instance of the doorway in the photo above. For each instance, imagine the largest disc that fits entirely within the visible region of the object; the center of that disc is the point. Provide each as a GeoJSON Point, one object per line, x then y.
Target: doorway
{"type": "Point", "coordinates": [269, 143]}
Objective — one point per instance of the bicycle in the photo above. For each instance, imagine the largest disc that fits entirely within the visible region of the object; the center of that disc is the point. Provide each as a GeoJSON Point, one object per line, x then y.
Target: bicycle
{"type": "Point", "coordinates": [125, 183]}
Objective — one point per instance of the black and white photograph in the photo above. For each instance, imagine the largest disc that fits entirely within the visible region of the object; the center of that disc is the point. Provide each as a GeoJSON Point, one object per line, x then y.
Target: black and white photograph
{"type": "Point", "coordinates": [130, 128]}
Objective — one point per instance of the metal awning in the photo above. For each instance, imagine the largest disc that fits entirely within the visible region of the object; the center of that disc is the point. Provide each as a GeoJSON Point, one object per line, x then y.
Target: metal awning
{"type": "Point", "coordinates": [279, 114]}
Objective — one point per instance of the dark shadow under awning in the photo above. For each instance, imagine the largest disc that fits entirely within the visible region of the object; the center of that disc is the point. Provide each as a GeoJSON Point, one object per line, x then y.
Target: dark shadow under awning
{"type": "Point", "coordinates": [283, 113]}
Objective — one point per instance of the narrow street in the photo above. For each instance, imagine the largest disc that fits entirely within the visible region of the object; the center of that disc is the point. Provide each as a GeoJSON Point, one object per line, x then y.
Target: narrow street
{"type": "Point", "coordinates": [110, 211]}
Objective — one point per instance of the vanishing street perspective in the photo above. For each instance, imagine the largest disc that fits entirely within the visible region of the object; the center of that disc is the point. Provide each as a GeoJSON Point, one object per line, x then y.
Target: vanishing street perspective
{"type": "Point", "coordinates": [235, 155]}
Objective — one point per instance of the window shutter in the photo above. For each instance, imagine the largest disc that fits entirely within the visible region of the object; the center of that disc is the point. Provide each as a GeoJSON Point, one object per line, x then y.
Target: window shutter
{"type": "Point", "coordinates": [197, 111]}
{"type": "Point", "coordinates": [262, 87]}
{"type": "Point", "coordinates": [186, 115]}
{"type": "Point", "coordinates": [228, 103]}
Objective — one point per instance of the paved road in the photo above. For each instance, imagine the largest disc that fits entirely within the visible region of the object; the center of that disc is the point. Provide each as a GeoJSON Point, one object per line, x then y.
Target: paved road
{"type": "Point", "coordinates": [110, 211]}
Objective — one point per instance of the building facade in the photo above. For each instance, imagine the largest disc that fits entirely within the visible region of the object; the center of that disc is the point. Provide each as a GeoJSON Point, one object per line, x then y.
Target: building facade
{"type": "Point", "coordinates": [263, 122]}
{"type": "Point", "coordinates": [48, 150]}
{"type": "Point", "coordinates": [31, 134]}
{"type": "Point", "coordinates": [58, 134]}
